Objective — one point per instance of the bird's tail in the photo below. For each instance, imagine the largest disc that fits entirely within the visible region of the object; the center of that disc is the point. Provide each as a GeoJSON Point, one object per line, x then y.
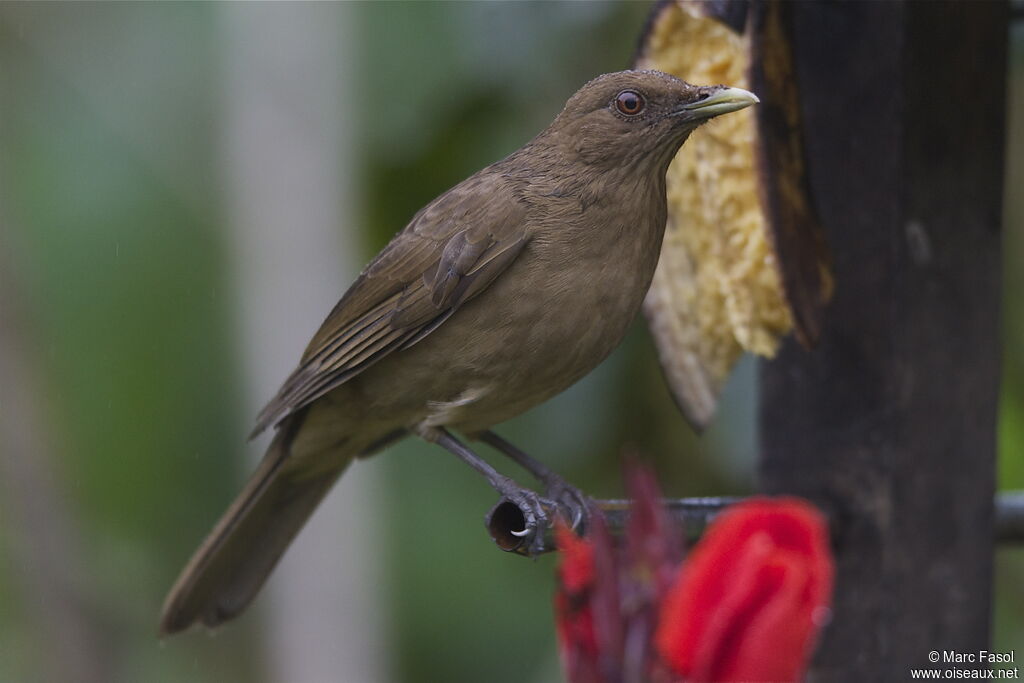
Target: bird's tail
{"type": "Point", "coordinates": [230, 566]}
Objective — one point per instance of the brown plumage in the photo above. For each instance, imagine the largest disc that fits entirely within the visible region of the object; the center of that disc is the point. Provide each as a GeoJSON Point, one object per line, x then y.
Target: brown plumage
{"type": "Point", "coordinates": [499, 294]}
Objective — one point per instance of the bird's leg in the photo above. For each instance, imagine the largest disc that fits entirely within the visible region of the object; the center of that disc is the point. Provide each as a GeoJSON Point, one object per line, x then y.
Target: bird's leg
{"type": "Point", "coordinates": [573, 501]}
{"type": "Point", "coordinates": [529, 503]}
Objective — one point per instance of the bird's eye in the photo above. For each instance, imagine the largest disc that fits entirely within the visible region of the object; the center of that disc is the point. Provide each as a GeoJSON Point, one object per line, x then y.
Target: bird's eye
{"type": "Point", "coordinates": [630, 102]}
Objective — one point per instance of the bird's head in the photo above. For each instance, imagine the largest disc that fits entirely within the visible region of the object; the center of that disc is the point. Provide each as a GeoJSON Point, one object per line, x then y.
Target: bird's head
{"type": "Point", "coordinates": [631, 117]}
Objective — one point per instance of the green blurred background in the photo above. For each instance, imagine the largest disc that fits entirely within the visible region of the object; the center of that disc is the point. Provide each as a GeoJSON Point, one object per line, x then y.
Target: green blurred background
{"type": "Point", "coordinates": [185, 190]}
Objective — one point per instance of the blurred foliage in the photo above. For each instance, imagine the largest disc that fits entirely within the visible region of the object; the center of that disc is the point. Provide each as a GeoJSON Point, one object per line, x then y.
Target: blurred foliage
{"type": "Point", "coordinates": [112, 211]}
{"type": "Point", "coordinates": [105, 116]}
{"type": "Point", "coordinates": [1009, 590]}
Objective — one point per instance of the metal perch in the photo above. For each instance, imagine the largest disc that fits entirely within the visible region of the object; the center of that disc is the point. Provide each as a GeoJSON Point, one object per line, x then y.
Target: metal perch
{"type": "Point", "coordinates": [694, 514]}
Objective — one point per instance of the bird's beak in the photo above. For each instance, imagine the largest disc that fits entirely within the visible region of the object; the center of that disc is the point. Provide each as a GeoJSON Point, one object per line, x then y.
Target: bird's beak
{"type": "Point", "coordinates": [719, 101]}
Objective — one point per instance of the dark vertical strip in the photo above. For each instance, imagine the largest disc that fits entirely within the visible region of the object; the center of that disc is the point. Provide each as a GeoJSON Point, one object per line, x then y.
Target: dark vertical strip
{"type": "Point", "coordinates": [890, 423]}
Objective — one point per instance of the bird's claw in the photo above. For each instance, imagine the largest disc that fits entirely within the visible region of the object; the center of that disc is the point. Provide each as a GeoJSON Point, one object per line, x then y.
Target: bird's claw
{"type": "Point", "coordinates": [571, 503]}
{"type": "Point", "coordinates": [520, 520]}
{"type": "Point", "coordinates": [535, 520]}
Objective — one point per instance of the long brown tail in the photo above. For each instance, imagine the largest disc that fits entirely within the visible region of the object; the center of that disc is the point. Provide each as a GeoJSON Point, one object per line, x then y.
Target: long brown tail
{"type": "Point", "coordinates": [229, 568]}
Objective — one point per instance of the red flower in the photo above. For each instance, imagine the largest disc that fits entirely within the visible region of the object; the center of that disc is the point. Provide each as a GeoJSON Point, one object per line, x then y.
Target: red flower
{"type": "Point", "coordinates": [745, 606]}
{"type": "Point", "coordinates": [606, 605]}
{"type": "Point", "coordinates": [751, 597]}
{"type": "Point", "coordinates": [574, 614]}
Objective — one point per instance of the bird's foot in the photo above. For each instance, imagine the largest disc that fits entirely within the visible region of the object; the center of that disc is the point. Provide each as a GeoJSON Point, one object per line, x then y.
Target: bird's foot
{"type": "Point", "coordinates": [521, 518]}
{"type": "Point", "coordinates": [572, 504]}
{"type": "Point", "coordinates": [519, 521]}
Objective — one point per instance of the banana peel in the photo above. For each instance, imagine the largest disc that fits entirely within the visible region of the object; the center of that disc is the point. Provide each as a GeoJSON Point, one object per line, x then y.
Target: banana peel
{"type": "Point", "coordinates": [744, 261]}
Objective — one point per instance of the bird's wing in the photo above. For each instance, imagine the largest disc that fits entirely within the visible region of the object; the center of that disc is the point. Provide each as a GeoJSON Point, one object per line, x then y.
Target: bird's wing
{"type": "Point", "coordinates": [450, 252]}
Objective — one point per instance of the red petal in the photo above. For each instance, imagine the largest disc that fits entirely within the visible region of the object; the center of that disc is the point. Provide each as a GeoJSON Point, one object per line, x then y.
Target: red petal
{"type": "Point", "coordinates": [574, 621]}
{"type": "Point", "coordinates": [606, 599]}
{"type": "Point", "coordinates": [653, 538]}
{"type": "Point", "coordinates": [576, 570]}
{"type": "Point", "coordinates": [743, 606]}
{"type": "Point", "coordinates": [779, 630]}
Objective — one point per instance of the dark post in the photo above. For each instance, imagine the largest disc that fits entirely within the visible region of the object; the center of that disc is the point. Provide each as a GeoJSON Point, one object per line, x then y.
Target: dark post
{"type": "Point", "coordinates": [890, 423]}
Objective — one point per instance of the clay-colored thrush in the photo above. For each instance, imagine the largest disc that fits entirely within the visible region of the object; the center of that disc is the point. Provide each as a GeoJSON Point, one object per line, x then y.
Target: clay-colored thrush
{"type": "Point", "coordinates": [497, 295]}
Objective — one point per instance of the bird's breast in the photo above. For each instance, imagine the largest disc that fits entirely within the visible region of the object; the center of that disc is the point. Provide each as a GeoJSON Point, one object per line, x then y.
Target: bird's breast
{"type": "Point", "coordinates": [551, 317]}
{"type": "Point", "coordinates": [559, 310]}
